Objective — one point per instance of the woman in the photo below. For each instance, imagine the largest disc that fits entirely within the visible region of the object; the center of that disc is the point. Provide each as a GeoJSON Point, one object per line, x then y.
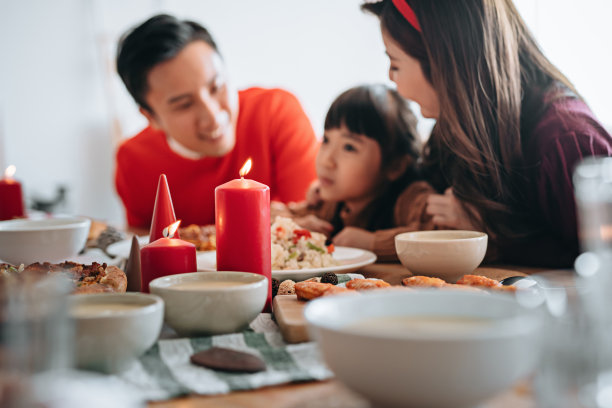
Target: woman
{"type": "Point", "coordinates": [510, 127]}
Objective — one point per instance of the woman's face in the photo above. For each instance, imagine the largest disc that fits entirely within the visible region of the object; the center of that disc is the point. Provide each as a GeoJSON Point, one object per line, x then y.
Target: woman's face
{"type": "Point", "coordinates": [411, 83]}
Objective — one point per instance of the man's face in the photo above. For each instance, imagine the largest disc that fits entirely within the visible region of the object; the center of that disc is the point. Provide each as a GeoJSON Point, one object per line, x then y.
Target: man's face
{"type": "Point", "coordinates": [192, 101]}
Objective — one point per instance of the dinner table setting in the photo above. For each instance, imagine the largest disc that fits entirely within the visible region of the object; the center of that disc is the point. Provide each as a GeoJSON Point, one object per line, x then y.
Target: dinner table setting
{"type": "Point", "coordinates": [151, 320]}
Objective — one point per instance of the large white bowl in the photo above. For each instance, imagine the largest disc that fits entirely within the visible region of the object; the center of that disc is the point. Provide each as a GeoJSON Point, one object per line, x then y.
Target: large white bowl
{"type": "Point", "coordinates": [441, 366]}
{"type": "Point", "coordinates": [213, 310]}
{"type": "Point", "coordinates": [45, 240]}
{"type": "Point", "coordinates": [110, 340]}
{"type": "Point", "coordinates": [445, 254]}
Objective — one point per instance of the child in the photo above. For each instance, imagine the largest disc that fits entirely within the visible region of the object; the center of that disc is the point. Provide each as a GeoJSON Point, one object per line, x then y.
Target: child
{"type": "Point", "coordinates": [366, 169]}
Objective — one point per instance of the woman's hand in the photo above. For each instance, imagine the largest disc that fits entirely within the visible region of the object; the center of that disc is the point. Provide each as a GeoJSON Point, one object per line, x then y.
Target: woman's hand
{"type": "Point", "coordinates": [313, 223]}
{"type": "Point", "coordinates": [448, 212]}
{"type": "Point", "coordinates": [355, 237]}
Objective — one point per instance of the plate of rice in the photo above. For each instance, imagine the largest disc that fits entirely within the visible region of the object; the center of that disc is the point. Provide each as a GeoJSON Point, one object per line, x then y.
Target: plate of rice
{"type": "Point", "coordinates": [299, 254]}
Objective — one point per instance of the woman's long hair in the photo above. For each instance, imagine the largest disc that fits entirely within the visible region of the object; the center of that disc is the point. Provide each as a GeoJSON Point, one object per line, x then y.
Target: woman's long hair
{"type": "Point", "coordinates": [493, 84]}
{"type": "Point", "coordinates": [380, 113]}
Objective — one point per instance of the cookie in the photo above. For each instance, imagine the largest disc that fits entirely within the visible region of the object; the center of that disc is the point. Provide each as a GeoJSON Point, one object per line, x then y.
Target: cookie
{"type": "Point", "coordinates": [224, 359]}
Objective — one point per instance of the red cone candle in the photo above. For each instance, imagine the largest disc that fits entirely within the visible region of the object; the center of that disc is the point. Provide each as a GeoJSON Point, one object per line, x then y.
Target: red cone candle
{"type": "Point", "coordinates": [242, 208]}
{"type": "Point", "coordinates": [11, 196]}
{"type": "Point", "coordinates": [163, 212]}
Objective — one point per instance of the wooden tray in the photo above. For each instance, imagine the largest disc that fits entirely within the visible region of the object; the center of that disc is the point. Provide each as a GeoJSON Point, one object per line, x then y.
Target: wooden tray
{"type": "Point", "coordinates": [289, 314]}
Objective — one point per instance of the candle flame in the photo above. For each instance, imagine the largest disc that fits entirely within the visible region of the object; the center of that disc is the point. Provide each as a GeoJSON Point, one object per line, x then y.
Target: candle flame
{"type": "Point", "coordinates": [169, 231]}
{"type": "Point", "coordinates": [10, 171]}
{"type": "Point", "coordinates": [246, 167]}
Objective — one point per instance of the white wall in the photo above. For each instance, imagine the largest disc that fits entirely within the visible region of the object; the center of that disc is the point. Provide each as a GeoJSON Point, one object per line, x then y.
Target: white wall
{"type": "Point", "coordinates": [62, 108]}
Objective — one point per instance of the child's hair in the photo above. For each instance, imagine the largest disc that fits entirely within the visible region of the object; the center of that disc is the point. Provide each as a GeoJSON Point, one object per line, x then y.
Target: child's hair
{"type": "Point", "coordinates": [380, 113]}
{"type": "Point", "coordinates": [158, 39]}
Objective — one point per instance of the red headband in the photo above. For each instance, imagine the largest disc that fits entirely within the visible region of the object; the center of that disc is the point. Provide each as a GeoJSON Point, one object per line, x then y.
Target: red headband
{"type": "Point", "coordinates": [406, 11]}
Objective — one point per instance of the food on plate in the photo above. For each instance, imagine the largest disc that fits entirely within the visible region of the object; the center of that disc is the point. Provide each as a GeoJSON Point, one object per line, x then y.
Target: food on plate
{"type": "Point", "coordinates": [366, 284]}
{"type": "Point", "coordinates": [296, 248]}
{"type": "Point", "coordinates": [310, 290]}
{"type": "Point", "coordinates": [472, 282]}
{"type": "Point", "coordinates": [335, 290]}
{"type": "Point", "coordinates": [225, 359]}
{"type": "Point", "coordinates": [275, 286]}
{"type": "Point", "coordinates": [203, 237]}
{"type": "Point", "coordinates": [286, 287]}
{"type": "Point", "coordinates": [94, 278]}
{"type": "Point", "coordinates": [329, 277]}
{"type": "Point", "coordinates": [484, 283]}
{"type": "Point", "coordinates": [424, 281]}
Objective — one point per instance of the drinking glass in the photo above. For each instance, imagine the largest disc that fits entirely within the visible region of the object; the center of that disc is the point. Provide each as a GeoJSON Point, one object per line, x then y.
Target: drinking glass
{"type": "Point", "coordinates": [576, 369]}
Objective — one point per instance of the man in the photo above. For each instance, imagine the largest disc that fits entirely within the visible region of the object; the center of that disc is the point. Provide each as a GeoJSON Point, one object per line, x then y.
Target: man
{"type": "Point", "coordinates": [201, 131]}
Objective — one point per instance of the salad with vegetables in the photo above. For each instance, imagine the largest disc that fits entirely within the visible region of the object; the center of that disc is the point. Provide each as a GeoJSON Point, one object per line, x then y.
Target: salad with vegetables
{"type": "Point", "coordinates": [296, 248]}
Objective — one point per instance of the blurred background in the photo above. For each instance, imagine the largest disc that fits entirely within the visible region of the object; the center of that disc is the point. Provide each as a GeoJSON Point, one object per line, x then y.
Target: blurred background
{"type": "Point", "coordinates": [63, 109]}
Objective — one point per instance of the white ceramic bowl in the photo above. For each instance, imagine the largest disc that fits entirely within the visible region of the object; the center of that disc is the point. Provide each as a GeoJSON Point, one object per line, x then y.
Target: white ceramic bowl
{"type": "Point", "coordinates": [45, 240]}
{"type": "Point", "coordinates": [444, 254]}
{"type": "Point", "coordinates": [455, 365]}
{"type": "Point", "coordinates": [113, 329]}
{"type": "Point", "coordinates": [197, 303]}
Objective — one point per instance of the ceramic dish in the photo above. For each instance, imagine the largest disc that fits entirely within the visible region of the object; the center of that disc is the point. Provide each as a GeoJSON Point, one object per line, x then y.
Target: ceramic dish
{"type": "Point", "coordinates": [350, 260]}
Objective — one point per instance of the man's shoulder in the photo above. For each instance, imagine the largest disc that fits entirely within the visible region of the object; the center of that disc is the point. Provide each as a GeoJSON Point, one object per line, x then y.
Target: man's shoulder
{"type": "Point", "coordinates": [256, 96]}
{"type": "Point", "coordinates": [146, 143]}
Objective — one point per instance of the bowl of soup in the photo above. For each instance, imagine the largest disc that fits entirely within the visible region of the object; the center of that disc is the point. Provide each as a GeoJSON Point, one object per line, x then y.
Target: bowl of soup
{"type": "Point", "coordinates": [54, 239]}
{"type": "Point", "coordinates": [206, 303]}
{"type": "Point", "coordinates": [113, 329]}
{"type": "Point", "coordinates": [444, 254]}
{"type": "Point", "coordinates": [426, 348]}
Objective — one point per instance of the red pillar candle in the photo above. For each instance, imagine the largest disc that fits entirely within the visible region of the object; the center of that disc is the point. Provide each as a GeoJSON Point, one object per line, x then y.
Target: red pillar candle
{"type": "Point", "coordinates": [242, 209]}
{"type": "Point", "coordinates": [11, 197]}
{"type": "Point", "coordinates": [166, 256]}
{"type": "Point", "coordinates": [163, 211]}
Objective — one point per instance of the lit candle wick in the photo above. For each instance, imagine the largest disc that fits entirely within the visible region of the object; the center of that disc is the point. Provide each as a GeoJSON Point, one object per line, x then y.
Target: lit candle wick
{"type": "Point", "coordinates": [246, 167]}
{"type": "Point", "coordinates": [10, 171]}
{"type": "Point", "coordinates": [170, 230]}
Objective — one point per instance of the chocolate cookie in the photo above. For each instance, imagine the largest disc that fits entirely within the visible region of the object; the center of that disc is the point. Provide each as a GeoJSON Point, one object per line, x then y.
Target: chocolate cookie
{"type": "Point", "coordinates": [224, 359]}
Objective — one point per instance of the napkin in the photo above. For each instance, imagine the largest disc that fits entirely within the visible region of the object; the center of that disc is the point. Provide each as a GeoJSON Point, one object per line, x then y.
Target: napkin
{"type": "Point", "coordinates": [165, 371]}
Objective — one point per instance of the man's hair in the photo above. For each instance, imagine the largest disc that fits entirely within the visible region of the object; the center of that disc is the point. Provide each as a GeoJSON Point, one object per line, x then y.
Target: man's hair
{"type": "Point", "coordinates": [158, 39]}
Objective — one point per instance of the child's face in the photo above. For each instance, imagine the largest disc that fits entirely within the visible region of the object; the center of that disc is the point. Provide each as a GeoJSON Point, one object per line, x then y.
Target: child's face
{"type": "Point", "coordinates": [192, 101]}
{"type": "Point", "coordinates": [348, 166]}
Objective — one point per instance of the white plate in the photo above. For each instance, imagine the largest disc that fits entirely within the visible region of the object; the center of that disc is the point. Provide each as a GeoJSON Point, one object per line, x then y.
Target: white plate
{"type": "Point", "coordinates": [350, 259]}
{"type": "Point", "coordinates": [122, 248]}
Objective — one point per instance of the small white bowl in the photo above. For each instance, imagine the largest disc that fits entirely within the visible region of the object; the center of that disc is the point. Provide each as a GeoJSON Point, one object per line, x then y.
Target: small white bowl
{"type": "Point", "coordinates": [444, 254]}
{"type": "Point", "coordinates": [45, 240]}
{"type": "Point", "coordinates": [113, 329]}
{"type": "Point", "coordinates": [199, 303]}
{"type": "Point", "coordinates": [413, 364]}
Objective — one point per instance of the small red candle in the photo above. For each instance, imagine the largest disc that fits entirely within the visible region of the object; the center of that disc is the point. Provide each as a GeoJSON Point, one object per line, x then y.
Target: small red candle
{"type": "Point", "coordinates": [11, 197]}
{"type": "Point", "coordinates": [166, 256]}
{"type": "Point", "coordinates": [242, 210]}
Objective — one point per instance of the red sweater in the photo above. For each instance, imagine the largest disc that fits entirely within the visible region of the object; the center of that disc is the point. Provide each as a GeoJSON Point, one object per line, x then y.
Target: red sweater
{"type": "Point", "coordinates": [272, 129]}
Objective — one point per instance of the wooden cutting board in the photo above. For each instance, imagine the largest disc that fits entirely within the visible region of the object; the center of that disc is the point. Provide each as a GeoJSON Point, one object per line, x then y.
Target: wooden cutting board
{"type": "Point", "coordinates": [289, 314]}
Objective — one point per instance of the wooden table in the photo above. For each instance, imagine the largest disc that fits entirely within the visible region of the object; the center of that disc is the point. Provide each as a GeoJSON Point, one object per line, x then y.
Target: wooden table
{"type": "Point", "coordinates": [332, 393]}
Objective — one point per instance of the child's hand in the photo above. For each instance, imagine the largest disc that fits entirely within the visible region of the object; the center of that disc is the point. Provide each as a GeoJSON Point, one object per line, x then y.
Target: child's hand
{"type": "Point", "coordinates": [313, 195]}
{"type": "Point", "coordinates": [447, 211]}
{"type": "Point", "coordinates": [278, 208]}
{"type": "Point", "coordinates": [313, 223]}
{"type": "Point", "coordinates": [355, 237]}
